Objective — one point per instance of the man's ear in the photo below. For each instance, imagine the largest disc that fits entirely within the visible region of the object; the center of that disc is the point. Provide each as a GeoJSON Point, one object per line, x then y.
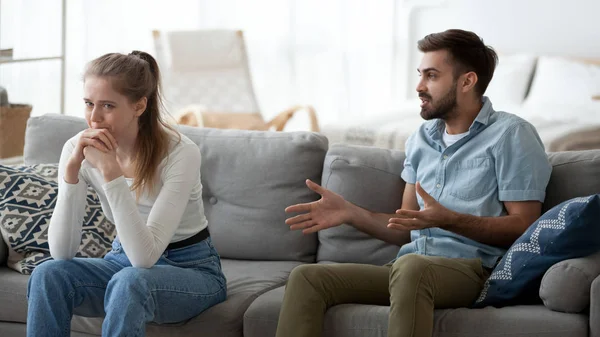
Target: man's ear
{"type": "Point", "coordinates": [140, 106]}
{"type": "Point", "coordinates": [468, 81]}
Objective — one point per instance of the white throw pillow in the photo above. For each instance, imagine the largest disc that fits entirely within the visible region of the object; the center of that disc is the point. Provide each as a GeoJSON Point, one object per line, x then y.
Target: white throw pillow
{"type": "Point", "coordinates": [563, 88]}
{"type": "Point", "coordinates": [511, 80]}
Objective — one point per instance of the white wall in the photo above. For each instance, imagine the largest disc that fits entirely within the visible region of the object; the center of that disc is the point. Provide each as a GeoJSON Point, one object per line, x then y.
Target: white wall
{"type": "Point", "coordinates": [544, 27]}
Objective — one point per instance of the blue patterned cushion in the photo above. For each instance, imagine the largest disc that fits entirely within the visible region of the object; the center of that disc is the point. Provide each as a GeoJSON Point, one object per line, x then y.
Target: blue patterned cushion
{"type": "Point", "coordinates": [27, 199]}
{"type": "Point", "coordinates": [569, 230]}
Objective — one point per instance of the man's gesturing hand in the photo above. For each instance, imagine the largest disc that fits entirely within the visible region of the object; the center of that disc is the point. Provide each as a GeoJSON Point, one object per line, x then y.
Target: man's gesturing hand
{"type": "Point", "coordinates": [329, 211]}
{"type": "Point", "coordinates": [433, 214]}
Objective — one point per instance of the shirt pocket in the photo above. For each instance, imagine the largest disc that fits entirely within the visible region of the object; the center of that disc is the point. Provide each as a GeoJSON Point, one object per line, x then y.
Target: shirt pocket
{"type": "Point", "coordinates": [473, 178]}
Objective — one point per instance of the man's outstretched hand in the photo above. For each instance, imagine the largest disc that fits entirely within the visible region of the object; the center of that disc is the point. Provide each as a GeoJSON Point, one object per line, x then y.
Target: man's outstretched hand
{"type": "Point", "coordinates": [329, 211]}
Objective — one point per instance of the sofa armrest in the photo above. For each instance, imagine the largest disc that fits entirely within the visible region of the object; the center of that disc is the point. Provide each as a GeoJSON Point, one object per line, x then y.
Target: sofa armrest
{"type": "Point", "coordinates": [566, 285]}
{"type": "Point", "coordinates": [595, 308]}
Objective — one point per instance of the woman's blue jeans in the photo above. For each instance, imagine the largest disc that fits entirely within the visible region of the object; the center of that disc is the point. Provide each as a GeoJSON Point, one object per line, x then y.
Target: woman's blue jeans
{"type": "Point", "coordinates": [183, 283]}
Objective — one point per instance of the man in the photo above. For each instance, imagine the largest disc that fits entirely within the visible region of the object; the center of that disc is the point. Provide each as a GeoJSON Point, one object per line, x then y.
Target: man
{"type": "Point", "coordinates": [475, 180]}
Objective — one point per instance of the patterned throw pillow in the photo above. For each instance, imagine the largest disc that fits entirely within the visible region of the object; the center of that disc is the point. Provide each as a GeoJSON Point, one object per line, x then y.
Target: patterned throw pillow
{"type": "Point", "coordinates": [27, 199]}
{"type": "Point", "coordinates": [569, 230]}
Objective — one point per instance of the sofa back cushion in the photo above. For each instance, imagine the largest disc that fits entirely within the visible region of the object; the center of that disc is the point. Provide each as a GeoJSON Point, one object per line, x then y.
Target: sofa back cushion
{"type": "Point", "coordinates": [45, 136]}
{"type": "Point", "coordinates": [370, 178]}
{"type": "Point", "coordinates": [574, 174]}
{"type": "Point", "coordinates": [248, 179]}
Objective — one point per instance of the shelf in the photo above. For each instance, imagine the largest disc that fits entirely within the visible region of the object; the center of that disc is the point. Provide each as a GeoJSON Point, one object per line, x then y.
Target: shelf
{"type": "Point", "coordinates": [11, 60]}
{"type": "Point", "coordinates": [7, 58]}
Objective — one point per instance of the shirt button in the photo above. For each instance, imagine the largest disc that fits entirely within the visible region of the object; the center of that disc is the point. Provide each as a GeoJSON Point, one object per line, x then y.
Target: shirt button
{"type": "Point", "coordinates": [438, 186]}
{"type": "Point", "coordinates": [212, 200]}
{"type": "Point", "coordinates": [445, 156]}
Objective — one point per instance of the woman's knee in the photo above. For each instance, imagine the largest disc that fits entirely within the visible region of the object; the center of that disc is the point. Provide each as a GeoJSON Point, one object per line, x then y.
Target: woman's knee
{"type": "Point", "coordinates": [51, 269]}
{"type": "Point", "coordinates": [49, 274]}
{"type": "Point", "coordinates": [129, 281]}
{"type": "Point", "coordinates": [130, 276]}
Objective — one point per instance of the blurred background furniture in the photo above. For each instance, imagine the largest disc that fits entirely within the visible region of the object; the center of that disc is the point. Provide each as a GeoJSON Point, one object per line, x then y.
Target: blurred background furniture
{"type": "Point", "coordinates": [13, 121]}
{"type": "Point", "coordinates": [558, 95]}
{"type": "Point", "coordinates": [207, 72]}
{"type": "Point", "coordinates": [9, 56]}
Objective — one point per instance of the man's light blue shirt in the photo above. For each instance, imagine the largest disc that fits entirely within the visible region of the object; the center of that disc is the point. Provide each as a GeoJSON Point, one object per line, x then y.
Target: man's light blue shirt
{"type": "Point", "coordinates": [500, 159]}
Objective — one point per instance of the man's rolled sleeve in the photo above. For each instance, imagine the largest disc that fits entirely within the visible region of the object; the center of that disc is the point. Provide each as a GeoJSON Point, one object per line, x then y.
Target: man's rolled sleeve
{"type": "Point", "coordinates": [408, 173]}
{"type": "Point", "coordinates": [522, 165]}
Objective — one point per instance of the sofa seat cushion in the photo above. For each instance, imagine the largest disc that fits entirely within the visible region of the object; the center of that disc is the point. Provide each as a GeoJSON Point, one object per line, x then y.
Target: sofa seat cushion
{"type": "Point", "coordinates": [13, 295]}
{"type": "Point", "coordinates": [353, 320]}
{"type": "Point", "coordinates": [357, 320]}
{"type": "Point", "coordinates": [246, 280]}
{"type": "Point", "coordinates": [261, 317]}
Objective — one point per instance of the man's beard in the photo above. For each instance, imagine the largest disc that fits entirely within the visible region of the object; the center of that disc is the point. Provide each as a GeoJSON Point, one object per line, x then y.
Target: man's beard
{"type": "Point", "coordinates": [443, 109]}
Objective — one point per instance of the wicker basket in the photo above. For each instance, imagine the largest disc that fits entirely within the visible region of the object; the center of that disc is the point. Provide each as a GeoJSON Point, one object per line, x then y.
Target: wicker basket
{"type": "Point", "coordinates": [13, 120]}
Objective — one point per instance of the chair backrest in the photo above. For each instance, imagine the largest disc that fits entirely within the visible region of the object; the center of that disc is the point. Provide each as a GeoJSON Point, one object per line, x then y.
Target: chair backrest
{"type": "Point", "coordinates": [207, 68]}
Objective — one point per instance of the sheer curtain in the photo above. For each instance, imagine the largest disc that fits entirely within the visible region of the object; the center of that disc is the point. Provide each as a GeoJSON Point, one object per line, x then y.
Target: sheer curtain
{"type": "Point", "coordinates": [339, 55]}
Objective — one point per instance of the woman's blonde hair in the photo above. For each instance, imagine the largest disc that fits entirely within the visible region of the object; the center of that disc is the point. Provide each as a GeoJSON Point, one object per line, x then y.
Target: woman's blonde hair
{"type": "Point", "coordinates": [135, 76]}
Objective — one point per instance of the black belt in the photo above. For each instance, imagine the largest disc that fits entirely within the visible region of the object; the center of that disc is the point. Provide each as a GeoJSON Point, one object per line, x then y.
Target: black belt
{"type": "Point", "coordinates": [202, 235]}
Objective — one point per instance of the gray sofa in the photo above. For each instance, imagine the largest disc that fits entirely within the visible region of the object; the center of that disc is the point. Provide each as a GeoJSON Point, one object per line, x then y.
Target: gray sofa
{"type": "Point", "coordinates": [249, 178]}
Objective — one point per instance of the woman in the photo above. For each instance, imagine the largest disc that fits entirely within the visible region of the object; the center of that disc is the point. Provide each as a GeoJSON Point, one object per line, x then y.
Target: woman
{"type": "Point", "coordinates": [163, 267]}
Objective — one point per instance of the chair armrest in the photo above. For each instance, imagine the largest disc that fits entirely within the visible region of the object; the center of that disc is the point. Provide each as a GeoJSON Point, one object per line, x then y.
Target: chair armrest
{"type": "Point", "coordinates": [279, 121]}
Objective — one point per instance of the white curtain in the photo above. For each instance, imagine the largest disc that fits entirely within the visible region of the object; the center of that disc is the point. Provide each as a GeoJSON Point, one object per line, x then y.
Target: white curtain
{"type": "Point", "coordinates": [339, 55]}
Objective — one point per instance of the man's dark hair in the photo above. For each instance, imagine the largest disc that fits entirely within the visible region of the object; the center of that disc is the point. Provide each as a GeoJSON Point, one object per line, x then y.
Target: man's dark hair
{"type": "Point", "coordinates": [467, 52]}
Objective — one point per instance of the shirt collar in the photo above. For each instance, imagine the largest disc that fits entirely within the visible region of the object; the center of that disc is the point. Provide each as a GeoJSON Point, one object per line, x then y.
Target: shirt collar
{"type": "Point", "coordinates": [436, 127]}
{"type": "Point", "coordinates": [485, 113]}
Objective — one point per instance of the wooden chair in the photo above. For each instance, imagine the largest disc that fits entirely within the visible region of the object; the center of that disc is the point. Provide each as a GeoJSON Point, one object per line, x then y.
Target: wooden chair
{"type": "Point", "coordinates": [207, 81]}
